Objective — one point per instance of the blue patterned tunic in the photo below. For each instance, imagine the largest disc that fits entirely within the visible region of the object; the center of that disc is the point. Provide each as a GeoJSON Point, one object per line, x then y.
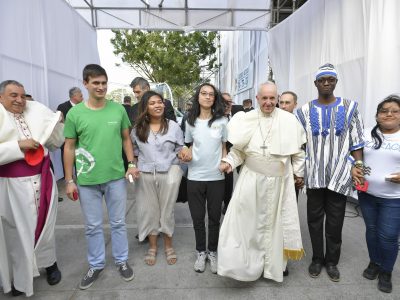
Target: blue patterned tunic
{"type": "Point", "coordinates": [333, 131]}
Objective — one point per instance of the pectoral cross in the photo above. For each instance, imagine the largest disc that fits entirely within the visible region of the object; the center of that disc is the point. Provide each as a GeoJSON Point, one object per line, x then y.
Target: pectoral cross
{"type": "Point", "coordinates": [263, 147]}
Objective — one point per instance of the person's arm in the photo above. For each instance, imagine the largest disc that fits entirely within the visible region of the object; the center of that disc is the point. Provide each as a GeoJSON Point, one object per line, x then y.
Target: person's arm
{"type": "Point", "coordinates": [128, 149]}
{"type": "Point", "coordinates": [69, 158]}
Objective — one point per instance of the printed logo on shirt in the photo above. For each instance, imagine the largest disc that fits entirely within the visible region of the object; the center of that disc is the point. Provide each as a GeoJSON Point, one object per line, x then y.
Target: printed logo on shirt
{"type": "Point", "coordinates": [216, 131]}
{"type": "Point", "coordinates": [85, 161]}
{"type": "Point", "coordinates": [112, 123]}
{"type": "Point", "coordinates": [393, 146]}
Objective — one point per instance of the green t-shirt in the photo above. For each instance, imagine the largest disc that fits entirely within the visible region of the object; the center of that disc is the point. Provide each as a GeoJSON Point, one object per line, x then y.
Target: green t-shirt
{"type": "Point", "coordinates": [98, 135]}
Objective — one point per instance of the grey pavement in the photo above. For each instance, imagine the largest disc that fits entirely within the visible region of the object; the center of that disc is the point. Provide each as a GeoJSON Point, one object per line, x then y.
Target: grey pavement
{"type": "Point", "coordinates": [181, 282]}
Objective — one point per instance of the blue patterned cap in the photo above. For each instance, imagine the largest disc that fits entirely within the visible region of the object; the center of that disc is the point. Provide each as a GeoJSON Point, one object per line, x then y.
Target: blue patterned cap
{"type": "Point", "coordinates": [326, 70]}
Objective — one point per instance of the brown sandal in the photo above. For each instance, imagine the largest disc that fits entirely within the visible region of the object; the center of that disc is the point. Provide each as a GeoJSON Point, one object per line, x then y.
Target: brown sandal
{"type": "Point", "coordinates": [150, 257]}
{"type": "Point", "coordinates": [171, 256]}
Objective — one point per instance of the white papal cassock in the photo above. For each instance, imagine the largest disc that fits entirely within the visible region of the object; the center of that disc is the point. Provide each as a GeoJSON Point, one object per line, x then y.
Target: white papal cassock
{"type": "Point", "coordinates": [261, 229]}
{"type": "Point", "coordinates": [20, 254]}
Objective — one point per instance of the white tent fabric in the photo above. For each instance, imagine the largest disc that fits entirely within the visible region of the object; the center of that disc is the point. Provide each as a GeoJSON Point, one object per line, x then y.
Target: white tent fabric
{"type": "Point", "coordinates": [360, 37]}
{"type": "Point", "coordinates": [44, 45]}
{"type": "Point", "coordinates": [176, 14]}
{"type": "Point", "coordinates": [244, 63]}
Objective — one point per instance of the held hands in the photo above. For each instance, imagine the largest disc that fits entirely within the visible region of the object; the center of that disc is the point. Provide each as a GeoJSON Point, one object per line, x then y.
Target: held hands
{"type": "Point", "coordinates": [185, 154]}
{"type": "Point", "coordinates": [134, 172]}
{"type": "Point", "coordinates": [28, 144]}
{"type": "Point", "coordinates": [298, 182]}
{"type": "Point", "coordinates": [225, 167]}
{"type": "Point", "coordinates": [357, 175]}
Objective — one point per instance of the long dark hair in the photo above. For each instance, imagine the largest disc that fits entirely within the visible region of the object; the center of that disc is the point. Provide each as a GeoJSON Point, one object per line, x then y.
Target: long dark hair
{"type": "Point", "coordinates": [375, 135]}
{"type": "Point", "coordinates": [143, 121]}
{"type": "Point", "coordinates": [217, 109]}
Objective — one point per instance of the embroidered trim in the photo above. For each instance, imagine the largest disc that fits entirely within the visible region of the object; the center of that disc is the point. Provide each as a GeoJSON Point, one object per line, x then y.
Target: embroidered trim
{"type": "Point", "coordinates": [340, 120]}
{"type": "Point", "coordinates": [314, 120]}
{"type": "Point", "coordinates": [293, 254]}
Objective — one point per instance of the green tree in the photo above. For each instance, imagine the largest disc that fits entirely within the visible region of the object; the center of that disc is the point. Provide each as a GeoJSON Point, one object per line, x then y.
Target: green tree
{"type": "Point", "coordinates": [174, 57]}
{"type": "Point", "coordinates": [118, 95]}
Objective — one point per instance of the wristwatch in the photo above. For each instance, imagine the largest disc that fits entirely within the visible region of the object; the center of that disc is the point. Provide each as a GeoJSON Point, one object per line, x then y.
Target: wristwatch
{"type": "Point", "coordinates": [131, 164]}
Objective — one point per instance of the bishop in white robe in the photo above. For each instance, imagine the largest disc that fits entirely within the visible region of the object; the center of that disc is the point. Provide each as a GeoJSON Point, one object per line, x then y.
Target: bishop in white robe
{"type": "Point", "coordinates": [28, 194]}
{"type": "Point", "coordinates": [261, 229]}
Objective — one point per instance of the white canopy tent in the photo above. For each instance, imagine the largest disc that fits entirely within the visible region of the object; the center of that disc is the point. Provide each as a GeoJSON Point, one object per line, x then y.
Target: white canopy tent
{"type": "Point", "coordinates": [187, 15]}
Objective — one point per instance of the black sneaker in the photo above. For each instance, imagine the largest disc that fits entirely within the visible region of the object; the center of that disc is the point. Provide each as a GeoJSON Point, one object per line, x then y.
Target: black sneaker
{"type": "Point", "coordinates": [53, 274]}
{"type": "Point", "coordinates": [372, 271]}
{"type": "Point", "coordinates": [385, 282]}
{"type": "Point", "coordinates": [89, 278]}
{"type": "Point", "coordinates": [315, 269]}
{"type": "Point", "coordinates": [333, 272]}
{"type": "Point", "coordinates": [286, 272]}
{"type": "Point", "coordinates": [15, 292]}
{"type": "Point", "coordinates": [126, 271]}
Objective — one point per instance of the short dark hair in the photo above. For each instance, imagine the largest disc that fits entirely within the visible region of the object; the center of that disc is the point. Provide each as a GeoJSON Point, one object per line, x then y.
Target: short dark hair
{"type": "Point", "coordinates": [291, 93]}
{"type": "Point", "coordinates": [127, 99]}
{"type": "Point", "coordinates": [4, 84]}
{"type": "Point", "coordinates": [245, 101]}
{"type": "Point", "coordinates": [93, 70]}
{"type": "Point", "coordinates": [143, 83]}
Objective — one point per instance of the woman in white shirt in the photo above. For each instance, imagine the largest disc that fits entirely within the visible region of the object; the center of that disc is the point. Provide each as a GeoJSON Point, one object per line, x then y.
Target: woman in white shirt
{"type": "Point", "coordinates": [206, 134]}
{"type": "Point", "coordinates": [380, 204]}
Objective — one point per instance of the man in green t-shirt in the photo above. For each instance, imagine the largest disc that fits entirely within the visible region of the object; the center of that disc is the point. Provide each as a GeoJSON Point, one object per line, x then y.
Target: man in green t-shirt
{"type": "Point", "coordinates": [95, 131]}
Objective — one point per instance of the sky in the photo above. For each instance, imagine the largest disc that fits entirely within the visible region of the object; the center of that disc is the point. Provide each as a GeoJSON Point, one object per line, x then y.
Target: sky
{"type": "Point", "coordinates": [118, 77]}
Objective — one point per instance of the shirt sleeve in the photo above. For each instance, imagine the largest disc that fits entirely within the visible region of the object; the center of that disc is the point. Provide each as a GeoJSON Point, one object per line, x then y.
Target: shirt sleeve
{"type": "Point", "coordinates": [188, 133]}
{"type": "Point", "coordinates": [356, 130]}
{"type": "Point", "coordinates": [179, 138]}
{"type": "Point", "coordinates": [224, 131]}
{"type": "Point", "coordinates": [70, 126]}
{"type": "Point", "coordinates": [125, 120]}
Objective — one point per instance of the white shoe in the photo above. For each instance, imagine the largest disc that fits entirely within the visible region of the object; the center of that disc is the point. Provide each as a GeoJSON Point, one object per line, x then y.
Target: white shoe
{"type": "Point", "coordinates": [200, 264]}
{"type": "Point", "coordinates": [212, 257]}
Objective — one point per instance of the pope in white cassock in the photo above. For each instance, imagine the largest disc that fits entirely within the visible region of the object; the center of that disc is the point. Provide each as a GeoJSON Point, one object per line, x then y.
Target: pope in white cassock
{"type": "Point", "coordinates": [28, 193]}
{"type": "Point", "coordinates": [261, 229]}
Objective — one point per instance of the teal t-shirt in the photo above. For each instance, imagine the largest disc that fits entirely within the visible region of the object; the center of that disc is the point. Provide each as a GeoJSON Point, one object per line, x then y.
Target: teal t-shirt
{"type": "Point", "coordinates": [98, 135]}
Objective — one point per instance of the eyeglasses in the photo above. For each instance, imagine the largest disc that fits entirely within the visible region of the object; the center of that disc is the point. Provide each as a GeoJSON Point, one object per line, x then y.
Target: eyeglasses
{"type": "Point", "coordinates": [387, 111]}
{"type": "Point", "coordinates": [205, 94]}
{"type": "Point", "coordinates": [329, 79]}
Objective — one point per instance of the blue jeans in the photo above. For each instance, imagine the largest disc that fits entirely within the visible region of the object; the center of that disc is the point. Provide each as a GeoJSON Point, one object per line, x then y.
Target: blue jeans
{"type": "Point", "coordinates": [91, 198]}
{"type": "Point", "coordinates": [382, 222]}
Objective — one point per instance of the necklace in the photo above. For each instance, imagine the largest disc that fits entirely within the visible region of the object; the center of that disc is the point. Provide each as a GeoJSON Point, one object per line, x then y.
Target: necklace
{"type": "Point", "coordinates": [263, 146]}
{"type": "Point", "coordinates": [155, 133]}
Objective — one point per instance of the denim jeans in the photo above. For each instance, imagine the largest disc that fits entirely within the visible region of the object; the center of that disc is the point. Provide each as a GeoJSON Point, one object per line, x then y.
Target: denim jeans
{"type": "Point", "coordinates": [382, 222]}
{"type": "Point", "coordinates": [91, 198]}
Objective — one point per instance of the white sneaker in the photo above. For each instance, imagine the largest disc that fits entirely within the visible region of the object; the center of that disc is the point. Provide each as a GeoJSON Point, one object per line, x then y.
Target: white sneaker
{"type": "Point", "coordinates": [200, 264]}
{"type": "Point", "coordinates": [212, 257]}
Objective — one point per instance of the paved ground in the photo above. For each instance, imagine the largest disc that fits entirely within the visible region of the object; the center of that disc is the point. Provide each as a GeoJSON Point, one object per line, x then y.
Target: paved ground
{"type": "Point", "coordinates": [181, 282]}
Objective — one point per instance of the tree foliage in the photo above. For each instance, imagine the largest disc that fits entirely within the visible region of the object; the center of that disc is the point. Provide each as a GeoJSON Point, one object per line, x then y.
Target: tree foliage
{"type": "Point", "coordinates": [119, 94]}
{"type": "Point", "coordinates": [176, 58]}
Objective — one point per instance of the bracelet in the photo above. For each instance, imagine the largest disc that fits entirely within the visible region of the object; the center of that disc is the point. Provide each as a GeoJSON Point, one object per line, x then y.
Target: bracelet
{"type": "Point", "coordinates": [358, 164]}
{"type": "Point", "coordinates": [69, 181]}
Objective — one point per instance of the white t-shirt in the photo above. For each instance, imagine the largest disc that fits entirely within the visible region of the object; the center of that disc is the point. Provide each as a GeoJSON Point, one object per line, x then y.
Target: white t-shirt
{"type": "Point", "coordinates": [207, 149]}
{"type": "Point", "coordinates": [383, 161]}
